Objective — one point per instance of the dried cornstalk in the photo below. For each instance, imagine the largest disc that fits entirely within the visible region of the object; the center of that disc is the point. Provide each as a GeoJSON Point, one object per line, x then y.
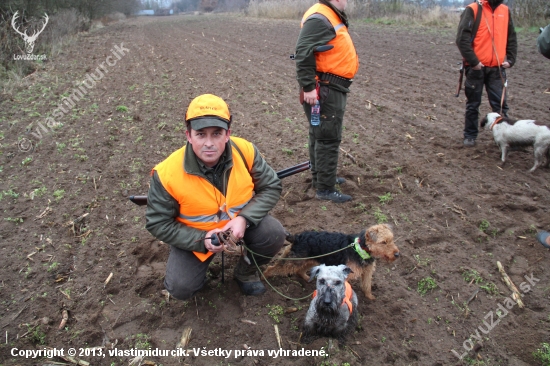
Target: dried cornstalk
{"type": "Point", "coordinates": [108, 279]}
{"type": "Point", "coordinates": [185, 337]}
{"type": "Point", "coordinates": [515, 293]}
{"type": "Point", "coordinates": [64, 318]}
{"type": "Point", "coordinates": [349, 156]}
{"type": "Point", "coordinates": [277, 335]}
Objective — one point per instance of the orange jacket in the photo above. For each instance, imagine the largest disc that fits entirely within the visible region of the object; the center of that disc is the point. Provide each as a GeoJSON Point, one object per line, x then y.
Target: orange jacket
{"type": "Point", "coordinates": [492, 27]}
{"type": "Point", "coordinates": [347, 296]}
{"type": "Point", "coordinates": [204, 207]}
{"type": "Point", "coordinates": [342, 60]}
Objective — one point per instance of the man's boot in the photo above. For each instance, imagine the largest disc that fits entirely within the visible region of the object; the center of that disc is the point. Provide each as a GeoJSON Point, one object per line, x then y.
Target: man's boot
{"type": "Point", "coordinates": [248, 279]}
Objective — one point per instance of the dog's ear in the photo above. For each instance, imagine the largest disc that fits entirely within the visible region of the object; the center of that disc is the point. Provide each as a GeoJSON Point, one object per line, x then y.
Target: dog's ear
{"type": "Point", "coordinates": [371, 235]}
{"type": "Point", "coordinates": [483, 121]}
{"type": "Point", "coordinates": [345, 269]}
{"type": "Point", "coordinates": [314, 272]}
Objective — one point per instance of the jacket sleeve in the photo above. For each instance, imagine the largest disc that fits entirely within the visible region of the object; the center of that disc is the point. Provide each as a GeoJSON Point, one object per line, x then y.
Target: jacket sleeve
{"type": "Point", "coordinates": [315, 32]}
{"type": "Point", "coordinates": [464, 37]}
{"type": "Point", "coordinates": [162, 210]}
{"type": "Point", "coordinates": [267, 190]}
{"type": "Point", "coordinates": [512, 43]}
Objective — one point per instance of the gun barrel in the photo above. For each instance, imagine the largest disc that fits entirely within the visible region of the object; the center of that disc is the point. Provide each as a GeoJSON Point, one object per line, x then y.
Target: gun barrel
{"type": "Point", "coordinates": [139, 200]}
{"type": "Point", "coordinates": [142, 200]}
{"type": "Point", "coordinates": [293, 170]}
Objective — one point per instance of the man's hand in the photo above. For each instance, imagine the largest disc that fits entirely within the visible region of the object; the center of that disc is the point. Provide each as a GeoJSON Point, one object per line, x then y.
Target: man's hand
{"type": "Point", "coordinates": [505, 65]}
{"type": "Point", "coordinates": [478, 66]}
{"type": "Point", "coordinates": [310, 97]}
{"type": "Point", "coordinates": [237, 226]}
{"type": "Point", "coordinates": [208, 244]}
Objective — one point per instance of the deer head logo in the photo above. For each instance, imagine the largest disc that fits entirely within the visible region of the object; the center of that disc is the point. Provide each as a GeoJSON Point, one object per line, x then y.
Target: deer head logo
{"type": "Point", "coordinates": [29, 40]}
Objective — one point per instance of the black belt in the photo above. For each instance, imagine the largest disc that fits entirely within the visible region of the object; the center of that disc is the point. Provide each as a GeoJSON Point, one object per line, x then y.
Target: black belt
{"type": "Point", "coordinates": [335, 79]}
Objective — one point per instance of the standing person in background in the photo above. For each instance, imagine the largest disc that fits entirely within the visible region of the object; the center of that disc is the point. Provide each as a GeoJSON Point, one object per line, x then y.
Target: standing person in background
{"type": "Point", "coordinates": [486, 57]}
{"type": "Point", "coordinates": [326, 77]}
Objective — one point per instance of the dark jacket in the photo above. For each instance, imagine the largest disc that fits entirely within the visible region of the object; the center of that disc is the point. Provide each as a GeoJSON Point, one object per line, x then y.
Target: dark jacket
{"type": "Point", "coordinates": [464, 37]}
{"type": "Point", "coordinates": [162, 208]}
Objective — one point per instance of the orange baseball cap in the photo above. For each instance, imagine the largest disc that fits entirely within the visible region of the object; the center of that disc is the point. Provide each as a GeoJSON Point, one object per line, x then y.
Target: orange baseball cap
{"type": "Point", "coordinates": [208, 110]}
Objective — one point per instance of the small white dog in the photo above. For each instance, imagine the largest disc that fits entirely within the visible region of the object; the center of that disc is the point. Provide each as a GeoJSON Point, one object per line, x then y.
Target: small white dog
{"type": "Point", "coordinates": [509, 133]}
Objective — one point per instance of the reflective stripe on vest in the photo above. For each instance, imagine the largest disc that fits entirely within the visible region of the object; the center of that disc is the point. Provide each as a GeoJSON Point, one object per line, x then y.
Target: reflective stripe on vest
{"type": "Point", "coordinates": [497, 31]}
{"type": "Point", "coordinates": [347, 296]}
{"type": "Point", "coordinates": [342, 60]}
{"type": "Point", "coordinates": [200, 202]}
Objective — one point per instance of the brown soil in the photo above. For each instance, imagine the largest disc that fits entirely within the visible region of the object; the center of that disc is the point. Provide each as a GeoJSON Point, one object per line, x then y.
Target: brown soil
{"type": "Point", "coordinates": [403, 128]}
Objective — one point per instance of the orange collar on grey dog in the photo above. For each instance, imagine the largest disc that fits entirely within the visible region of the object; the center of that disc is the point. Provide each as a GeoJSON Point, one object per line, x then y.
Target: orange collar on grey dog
{"type": "Point", "coordinates": [497, 121]}
{"type": "Point", "coordinates": [347, 297]}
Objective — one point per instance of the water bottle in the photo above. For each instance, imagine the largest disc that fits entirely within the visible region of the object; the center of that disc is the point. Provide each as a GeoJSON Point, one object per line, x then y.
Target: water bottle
{"type": "Point", "coordinates": [315, 114]}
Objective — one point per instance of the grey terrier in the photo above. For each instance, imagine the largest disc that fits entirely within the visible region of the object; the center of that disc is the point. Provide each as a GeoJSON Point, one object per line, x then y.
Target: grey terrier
{"type": "Point", "coordinates": [333, 310]}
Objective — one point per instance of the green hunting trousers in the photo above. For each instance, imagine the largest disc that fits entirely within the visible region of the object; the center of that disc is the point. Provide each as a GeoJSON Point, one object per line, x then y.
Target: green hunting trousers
{"type": "Point", "coordinates": [324, 139]}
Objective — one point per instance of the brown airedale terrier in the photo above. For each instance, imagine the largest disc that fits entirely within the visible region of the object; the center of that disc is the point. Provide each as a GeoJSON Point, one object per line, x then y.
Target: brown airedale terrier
{"type": "Point", "coordinates": [374, 243]}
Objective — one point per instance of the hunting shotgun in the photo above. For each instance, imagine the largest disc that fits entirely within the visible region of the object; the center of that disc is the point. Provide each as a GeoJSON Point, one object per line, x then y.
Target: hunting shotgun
{"type": "Point", "coordinates": [142, 200]}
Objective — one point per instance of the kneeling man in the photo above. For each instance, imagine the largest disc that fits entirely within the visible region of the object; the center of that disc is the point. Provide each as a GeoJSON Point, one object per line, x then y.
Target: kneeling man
{"type": "Point", "coordinates": [214, 183]}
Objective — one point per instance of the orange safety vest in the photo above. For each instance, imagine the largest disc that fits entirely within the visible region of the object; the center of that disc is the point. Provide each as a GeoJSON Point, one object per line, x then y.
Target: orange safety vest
{"type": "Point", "coordinates": [347, 296]}
{"type": "Point", "coordinates": [342, 60]}
{"type": "Point", "coordinates": [492, 27]}
{"type": "Point", "coordinates": [200, 202]}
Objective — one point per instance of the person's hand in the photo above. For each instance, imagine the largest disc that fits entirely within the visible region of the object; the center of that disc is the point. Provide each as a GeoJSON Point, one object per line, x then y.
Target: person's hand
{"type": "Point", "coordinates": [505, 65]}
{"type": "Point", "coordinates": [209, 246]}
{"type": "Point", "coordinates": [310, 97]}
{"type": "Point", "coordinates": [237, 226]}
{"type": "Point", "coordinates": [478, 66]}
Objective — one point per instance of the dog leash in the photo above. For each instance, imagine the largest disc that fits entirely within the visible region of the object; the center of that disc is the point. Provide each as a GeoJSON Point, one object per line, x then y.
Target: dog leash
{"type": "Point", "coordinates": [504, 82]}
{"type": "Point", "coordinates": [270, 285]}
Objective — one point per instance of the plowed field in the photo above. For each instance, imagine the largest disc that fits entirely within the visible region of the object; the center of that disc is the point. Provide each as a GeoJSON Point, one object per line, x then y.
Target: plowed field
{"type": "Point", "coordinates": [455, 212]}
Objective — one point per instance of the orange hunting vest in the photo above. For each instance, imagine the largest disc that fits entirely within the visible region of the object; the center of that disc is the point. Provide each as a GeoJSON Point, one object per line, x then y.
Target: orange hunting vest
{"type": "Point", "coordinates": [199, 200]}
{"type": "Point", "coordinates": [497, 30]}
{"type": "Point", "coordinates": [342, 60]}
{"type": "Point", "coordinates": [347, 296]}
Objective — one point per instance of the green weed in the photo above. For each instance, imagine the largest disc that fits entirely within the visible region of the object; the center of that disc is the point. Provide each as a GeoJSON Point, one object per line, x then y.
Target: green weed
{"type": "Point", "coordinates": [385, 198]}
{"type": "Point", "coordinates": [122, 108]}
{"type": "Point", "coordinates": [543, 354]}
{"type": "Point", "coordinates": [426, 285]}
{"type": "Point", "coordinates": [471, 275]}
{"type": "Point", "coordinates": [490, 288]}
{"type": "Point", "coordinates": [484, 225]}
{"type": "Point", "coordinates": [58, 194]}
{"type": "Point", "coordinates": [379, 216]}
{"type": "Point", "coordinates": [275, 311]}
{"type": "Point", "coordinates": [16, 220]}
{"type": "Point", "coordinates": [287, 151]}
{"type": "Point", "coordinates": [60, 147]}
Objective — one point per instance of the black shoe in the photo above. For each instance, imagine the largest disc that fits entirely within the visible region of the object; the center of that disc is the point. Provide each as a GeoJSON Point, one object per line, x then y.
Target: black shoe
{"type": "Point", "coordinates": [469, 142]}
{"type": "Point", "coordinates": [248, 279]}
{"type": "Point", "coordinates": [340, 180]}
{"type": "Point", "coordinates": [251, 288]}
{"type": "Point", "coordinates": [333, 196]}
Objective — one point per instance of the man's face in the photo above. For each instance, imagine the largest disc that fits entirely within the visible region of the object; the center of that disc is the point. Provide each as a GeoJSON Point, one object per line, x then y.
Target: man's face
{"type": "Point", "coordinates": [208, 143]}
{"type": "Point", "coordinates": [340, 4]}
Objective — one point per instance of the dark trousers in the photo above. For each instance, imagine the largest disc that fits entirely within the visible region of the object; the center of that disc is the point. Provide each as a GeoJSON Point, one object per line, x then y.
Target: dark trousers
{"type": "Point", "coordinates": [186, 274]}
{"type": "Point", "coordinates": [324, 139]}
{"type": "Point", "coordinates": [473, 88]}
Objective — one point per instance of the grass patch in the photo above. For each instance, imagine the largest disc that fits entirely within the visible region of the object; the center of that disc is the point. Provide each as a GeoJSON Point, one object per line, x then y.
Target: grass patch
{"type": "Point", "coordinates": [543, 354]}
{"type": "Point", "coordinates": [426, 285]}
